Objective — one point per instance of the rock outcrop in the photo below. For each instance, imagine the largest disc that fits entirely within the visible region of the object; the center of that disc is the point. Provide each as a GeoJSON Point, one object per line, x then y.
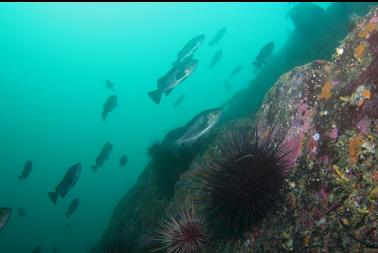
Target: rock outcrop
{"type": "Point", "coordinates": [329, 113]}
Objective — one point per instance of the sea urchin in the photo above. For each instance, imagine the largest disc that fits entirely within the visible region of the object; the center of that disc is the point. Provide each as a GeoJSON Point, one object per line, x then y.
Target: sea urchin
{"type": "Point", "coordinates": [243, 180]}
{"type": "Point", "coordinates": [185, 233]}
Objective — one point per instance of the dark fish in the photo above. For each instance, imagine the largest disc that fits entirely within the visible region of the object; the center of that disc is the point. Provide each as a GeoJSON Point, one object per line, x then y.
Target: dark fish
{"type": "Point", "coordinates": [218, 36]}
{"type": "Point", "coordinates": [123, 160]}
{"type": "Point", "coordinates": [198, 126]}
{"type": "Point", "coordinates": [26, 171]}
{"type": "Point", "coordinates": [227, 84]}
{"type": "Point", "coordinates": [217, 56]}
{"type": "Point", "coordinates": [54, 249]}
{"type": "Point", "coordinates": [264, 53]}
{"type": "Point", "coordinates": [21, 212]}
{"type": "Point", "coordinates": [69, 180]}
{"type": "Point", "coordinates": [109, 106]}
{"type": "Point", "coordinates": [5, 213]}
{"type": "Point", "coordinates": [172, 78]}
{"type": "Point", "coordinates": [72, 207]}
{"type": "Point", "coordinates": [188, 50]}
{"type": "Point", "coordinates": [110, 85]}
{"type": "Point", "coordinates": [236, 70]}
{"type": "Point", "coordinates": [179, 101]}
{"type": "Point", "coordinates": [37, 249]}
{"type": "Point", "coordinates": [103, 156]}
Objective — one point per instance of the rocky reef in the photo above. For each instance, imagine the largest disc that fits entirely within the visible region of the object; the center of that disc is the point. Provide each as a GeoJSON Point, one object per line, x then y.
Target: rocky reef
{"type": "Point", "coordinates": [316, 34]}
{"type": "Point", "coordinates": [327, 112]}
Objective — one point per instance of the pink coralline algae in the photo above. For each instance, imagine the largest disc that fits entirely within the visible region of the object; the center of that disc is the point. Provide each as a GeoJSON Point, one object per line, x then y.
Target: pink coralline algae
{"type": "Point", "coordinates": [302, 107]}
{"type": "Point", "coordinates": [324, 159]}
{"type": "Point", "coordinates": [363, 125]}
{"type": "Point", "coordinates": [323, 196]}
{"type": "Point", "coordinates": [374, 20]}
{"type": "Point", "coordinates": [335, 82]}
{"type": "Point", "coordinates": [295, 146]}
{"type": "Point", "coordinates": [313, 146]}
{"type": "Point", "coordinates": [333, 133]}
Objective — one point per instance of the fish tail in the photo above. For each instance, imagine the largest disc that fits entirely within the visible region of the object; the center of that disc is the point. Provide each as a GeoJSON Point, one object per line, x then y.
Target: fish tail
{"type": "Point", "coordinates": [103, 114]}
{"type": "Point", "coordinates": [155, 95]}
{"type": "Point", "coordinates": [53, 196]}
{"type": "Point", "coordinates": [94, 168]}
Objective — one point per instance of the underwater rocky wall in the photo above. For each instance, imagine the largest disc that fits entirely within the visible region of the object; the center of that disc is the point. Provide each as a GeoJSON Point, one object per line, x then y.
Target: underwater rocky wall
{"type": "Point", "coordinates": [317, 33]}
{"type": "Point", "coordinates": [328, 111]}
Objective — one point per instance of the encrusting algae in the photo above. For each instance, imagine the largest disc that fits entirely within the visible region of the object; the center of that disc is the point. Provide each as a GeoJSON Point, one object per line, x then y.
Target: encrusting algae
{"type": "Point", "coordinates": [326, 91]}
{"type": "Point", "coordinates": [354, 147]}
{"type": "Point", "coordinates": [359, 51]}
{"type": "Point", "coordinates": [367, 29]}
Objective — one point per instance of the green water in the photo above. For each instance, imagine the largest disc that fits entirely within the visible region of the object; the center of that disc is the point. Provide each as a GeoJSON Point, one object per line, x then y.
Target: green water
{"type": "Point", "coordinates": [54, 60]}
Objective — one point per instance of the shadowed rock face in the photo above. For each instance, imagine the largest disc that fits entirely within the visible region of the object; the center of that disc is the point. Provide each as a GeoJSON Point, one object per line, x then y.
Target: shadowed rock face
{"type": "Point", "coordinates": [326, 109]}
{"type": "Point", "coordinates": [306, 17]}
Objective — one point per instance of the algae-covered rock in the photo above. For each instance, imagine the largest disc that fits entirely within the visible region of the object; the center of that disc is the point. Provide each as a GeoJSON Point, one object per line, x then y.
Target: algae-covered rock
{"type": "Point", "coordinates": [328, 113]}
{"type": "Point", "coordinates": [331, 203]}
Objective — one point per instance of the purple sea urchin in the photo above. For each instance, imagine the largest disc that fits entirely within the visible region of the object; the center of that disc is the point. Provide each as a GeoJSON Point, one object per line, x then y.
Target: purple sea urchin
{"type": "Point", "coordinates": [185, 233]}
{"type": "Point", "coordinates": [244, 179]}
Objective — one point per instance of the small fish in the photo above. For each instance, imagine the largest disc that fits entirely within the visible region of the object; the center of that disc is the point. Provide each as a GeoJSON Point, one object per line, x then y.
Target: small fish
{"type": "Point", "coordinates": [188, 50]}
{"type": "Point", "coordinates": [179, 101]}
{"type": "Point", "coordinates": [123, 160]}
{"type": "Point", "coordinates": [109, 106]}
{"type": "Point", "coordinates": [217, 56]}
{"type": "Point", "coordinates": [110, 85]}
{"type": "Point", "coordinates": [198, 126]}
{"type": "Point", "coordinates": [26, 171]}
{"type": "Point", "coordinates": [236, 71]}
{"type": "Point", "coordinates": [264, 53]}
{"type": "Point", "coordinates": [172, 78]}
{"type": "Point", "coordinates": [72, 207]}
{"type": "Point", "coordinates": [103, 156]}
{"type": "Point", "coordinates": [69, 180]}
{"type": "Point", "coordinates": [21, 212]}
{"type": "Point", "coordinates": [5, 214]}
{"type": "Point", "coordinates": [227, 84]}
{"type": "Point", "coordinates": [219, 35]}
{"type": "Point", "coordinates": [37, 249]}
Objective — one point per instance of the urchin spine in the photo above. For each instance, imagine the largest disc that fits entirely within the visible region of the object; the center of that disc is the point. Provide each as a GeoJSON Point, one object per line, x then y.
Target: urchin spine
{"type": "Point", "coordinates": [185, 233]}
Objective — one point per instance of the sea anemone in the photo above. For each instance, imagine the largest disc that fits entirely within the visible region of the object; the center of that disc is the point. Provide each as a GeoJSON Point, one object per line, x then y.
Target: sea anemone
{"type": "Point", "coordinates": [242, 182]}
{"type": "Point", "coordinates": [184, 233]}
